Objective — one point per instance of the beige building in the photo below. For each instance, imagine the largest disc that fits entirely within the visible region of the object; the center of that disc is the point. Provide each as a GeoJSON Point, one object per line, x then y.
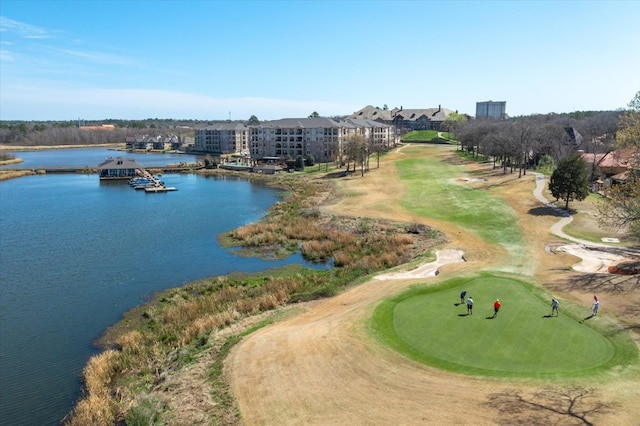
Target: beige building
{"type": "Point", "coordinates": [223, 138]}
{"type": "Point", "coordinates": [320, 137]}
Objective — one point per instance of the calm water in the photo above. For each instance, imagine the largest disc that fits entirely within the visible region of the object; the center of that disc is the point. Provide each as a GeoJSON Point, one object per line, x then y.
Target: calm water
{"type": "Point", "coordinates": [91, 157]}
{"type": "Point", "coordinates": [75, 254]}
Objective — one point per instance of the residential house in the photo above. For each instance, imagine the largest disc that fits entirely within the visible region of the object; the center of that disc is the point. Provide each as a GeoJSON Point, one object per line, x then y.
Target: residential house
{"type": "Point", "coordinates": [608, 168]}
{"type": "Point", "coordinates": [119, 168]}
{"type": "Point", "coordinates": [139, 142]}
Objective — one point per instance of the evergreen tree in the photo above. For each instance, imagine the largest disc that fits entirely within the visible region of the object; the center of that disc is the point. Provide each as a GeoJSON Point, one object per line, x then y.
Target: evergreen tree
{"type": "Point", "coordinates": [570, 180]}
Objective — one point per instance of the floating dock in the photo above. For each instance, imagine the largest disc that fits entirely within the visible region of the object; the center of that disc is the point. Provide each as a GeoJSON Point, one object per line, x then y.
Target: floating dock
{"type": "Point", "coordinates": [160, 189]}
{"type": "Point", "coordinates": [152, 184]}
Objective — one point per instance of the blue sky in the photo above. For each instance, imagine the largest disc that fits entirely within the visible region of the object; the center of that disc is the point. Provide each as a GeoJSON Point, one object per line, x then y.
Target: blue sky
{"type": "Point", "coordinates": [63, 60]}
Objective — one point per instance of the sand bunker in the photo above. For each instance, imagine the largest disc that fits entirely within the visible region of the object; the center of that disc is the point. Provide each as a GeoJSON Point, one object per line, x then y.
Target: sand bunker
{"type": "Point", "coordinates": [596, 259]}
{"type": "Point", "coordinates": [444, 257]}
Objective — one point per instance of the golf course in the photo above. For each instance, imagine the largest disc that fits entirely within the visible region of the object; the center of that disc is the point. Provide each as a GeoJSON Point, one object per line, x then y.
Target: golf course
{"type": "Point", "coordinates": [523, 340]}
{"type": "Point", "coordinates": [404, 350]}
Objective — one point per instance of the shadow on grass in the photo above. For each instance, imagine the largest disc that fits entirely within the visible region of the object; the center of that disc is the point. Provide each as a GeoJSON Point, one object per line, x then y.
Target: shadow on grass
{"type": "Point", "coordinates": [549, 406]}
{"type": "Point", "coordinates": [463, 315]}
{"type": "Point", "coordinates": [548, 211]}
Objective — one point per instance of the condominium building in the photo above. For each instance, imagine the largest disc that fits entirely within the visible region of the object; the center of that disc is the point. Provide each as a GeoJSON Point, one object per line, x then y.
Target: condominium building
{"type": "Point", "coordinates": [223, 138]}
{"type": "Point", "coordinates": [320, 137]}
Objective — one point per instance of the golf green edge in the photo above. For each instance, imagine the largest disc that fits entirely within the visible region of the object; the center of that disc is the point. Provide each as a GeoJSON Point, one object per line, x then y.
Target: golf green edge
{"type": "Point", "coordinates": [429, 324]}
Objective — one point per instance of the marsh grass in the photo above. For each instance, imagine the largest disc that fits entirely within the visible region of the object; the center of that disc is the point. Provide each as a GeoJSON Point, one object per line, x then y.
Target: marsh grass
{"type": "Point", "coordinates": [178, 325]}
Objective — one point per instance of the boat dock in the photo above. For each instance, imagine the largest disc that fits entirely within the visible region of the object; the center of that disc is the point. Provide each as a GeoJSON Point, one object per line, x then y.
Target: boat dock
{"type": "Point", "coordinates": [160, 189]}
{"type": "Point", "coordinates": [150, 183]}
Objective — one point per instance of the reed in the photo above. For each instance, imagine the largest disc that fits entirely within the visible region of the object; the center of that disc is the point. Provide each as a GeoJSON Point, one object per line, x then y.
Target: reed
{"type": "Point", "coordinates": [178, 323]}
{"type": "Point", "coordinates": [97, 407]}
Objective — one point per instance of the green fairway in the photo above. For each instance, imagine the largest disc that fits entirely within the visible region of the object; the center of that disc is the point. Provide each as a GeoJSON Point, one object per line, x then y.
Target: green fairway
{"type": "Point", "coordinates": [431, 192]}
{"type": "Point", "coordinates": [522, 341]}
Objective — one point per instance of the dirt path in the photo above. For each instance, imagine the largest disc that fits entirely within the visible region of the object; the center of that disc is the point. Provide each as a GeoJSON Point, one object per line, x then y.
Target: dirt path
{"type": "Point", "coordinates": [322, 367]}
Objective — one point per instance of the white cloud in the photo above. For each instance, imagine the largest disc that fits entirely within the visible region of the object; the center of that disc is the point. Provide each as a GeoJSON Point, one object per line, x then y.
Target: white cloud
{"type": "Point", "coordinates": [99, 57]}
{"type": "Point", "coordinates": [6, 55]}
{"type": "Point", "coordinates": [23, 30]}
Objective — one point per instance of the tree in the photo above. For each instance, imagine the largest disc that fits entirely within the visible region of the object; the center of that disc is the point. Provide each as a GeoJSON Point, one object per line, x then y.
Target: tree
{"type": "Point", "coordinates": [254, 120]}
{"type": "Point", "coordinates": [314, 114]}
{"type": "Point", "coordinates": [621, 207]}
{"type": "Point", "coordinates": [453, 121]}
{"type": "Point", "coordinates": [299, 165]}
{"type": "Point", "coordinates": [570, 180]}
{"type": "Point", "coordinates": [309, 160]}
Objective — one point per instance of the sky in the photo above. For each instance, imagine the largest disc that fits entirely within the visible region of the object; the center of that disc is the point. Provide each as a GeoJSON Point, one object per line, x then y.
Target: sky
{"type": "Point", "coordinates": [218, 60]}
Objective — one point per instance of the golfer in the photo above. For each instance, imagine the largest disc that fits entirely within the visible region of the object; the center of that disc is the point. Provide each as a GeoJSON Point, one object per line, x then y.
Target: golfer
{"type": "Point", "coordinates": [554, 306]}
{"type": "Point", "coordinates": [496, 307]}
{"type": "Point", "coordinates": [596, 306]}
{"type": "Point", "coordinates": [469, 306]}
{"type": "Point", "coordinates": [462, 295]}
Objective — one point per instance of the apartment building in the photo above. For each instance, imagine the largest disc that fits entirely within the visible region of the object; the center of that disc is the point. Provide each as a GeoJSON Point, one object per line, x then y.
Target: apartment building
{"type": "Point", "coordinates": [491, 109]}
{"type": "Point", "coordinates": [319, 137]}
{"type": "Point", "coordinates": [223, 138]}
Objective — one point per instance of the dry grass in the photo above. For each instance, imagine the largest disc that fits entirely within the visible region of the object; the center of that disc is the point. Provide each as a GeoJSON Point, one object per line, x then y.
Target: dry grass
{"type": "Point", "coordinates": [12, 174]}
{"type": "Point", "coordinates": [97, 407]}
{"type": "Point", "coordinates": [170, 332]}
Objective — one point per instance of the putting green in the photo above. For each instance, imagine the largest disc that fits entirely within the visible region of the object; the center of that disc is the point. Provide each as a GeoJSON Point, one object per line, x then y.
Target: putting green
{"type": "Point", "coordinates": [430, 325]}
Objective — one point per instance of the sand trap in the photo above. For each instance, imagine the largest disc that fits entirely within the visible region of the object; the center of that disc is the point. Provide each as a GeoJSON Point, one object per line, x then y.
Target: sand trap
{"type": "Point", "coordinates": [594, 260]}
{"type": "Point", "coordinates": [444, 257]}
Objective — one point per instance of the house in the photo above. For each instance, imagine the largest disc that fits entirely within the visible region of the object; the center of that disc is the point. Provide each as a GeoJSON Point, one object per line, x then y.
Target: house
{"type": "Point", "coordinates": [573, 137]}
{"type": "Point", "coordinates": [139, 142]}
{"type": "Point", "coordinates": [609, 163]}
{"type": "Point", "coordinates": [119, 168]}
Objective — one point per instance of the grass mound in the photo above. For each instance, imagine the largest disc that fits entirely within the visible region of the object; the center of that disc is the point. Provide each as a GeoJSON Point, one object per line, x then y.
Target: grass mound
{"type": "Point", "coordinates": [429, 325]}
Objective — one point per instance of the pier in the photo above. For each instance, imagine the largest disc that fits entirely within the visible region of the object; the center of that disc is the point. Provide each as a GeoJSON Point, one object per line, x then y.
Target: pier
{"type": "Point", "coordinates": [149, 183]}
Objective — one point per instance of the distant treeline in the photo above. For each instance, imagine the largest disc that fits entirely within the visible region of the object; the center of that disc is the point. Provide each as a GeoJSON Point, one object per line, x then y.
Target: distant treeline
{"type": "Point", "coordinates": [85, 132]}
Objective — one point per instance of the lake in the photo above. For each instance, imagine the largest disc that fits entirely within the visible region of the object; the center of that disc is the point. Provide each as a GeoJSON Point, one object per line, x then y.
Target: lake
{"type": "Point", "coordinates": [76, 253]}
{"type": "Point", "coordinates": [91, 157]}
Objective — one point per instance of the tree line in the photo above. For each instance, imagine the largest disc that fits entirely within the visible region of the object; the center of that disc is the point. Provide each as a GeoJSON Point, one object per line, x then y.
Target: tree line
{"type": "Point", "coordinates": [554, 142]}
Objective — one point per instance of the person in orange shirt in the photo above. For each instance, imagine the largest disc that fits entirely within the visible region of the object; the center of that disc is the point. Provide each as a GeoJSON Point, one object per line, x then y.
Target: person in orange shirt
{"type": "Point", "coordinates": [496, 307]}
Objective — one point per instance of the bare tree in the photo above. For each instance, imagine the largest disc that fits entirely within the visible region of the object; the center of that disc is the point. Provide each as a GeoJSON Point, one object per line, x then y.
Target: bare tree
{"type": "Point", "coordinates": [550, 406]}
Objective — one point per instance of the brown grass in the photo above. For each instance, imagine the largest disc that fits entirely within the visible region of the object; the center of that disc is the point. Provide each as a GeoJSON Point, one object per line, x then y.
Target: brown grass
{"type": "Point", "coordinates": [97, 407]}
{"type": "Point", "coordinates": [9, 174]}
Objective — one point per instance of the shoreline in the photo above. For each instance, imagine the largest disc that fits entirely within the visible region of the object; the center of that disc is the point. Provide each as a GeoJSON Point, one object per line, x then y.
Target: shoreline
{"type": "Point", "coordinates": [44, 147]}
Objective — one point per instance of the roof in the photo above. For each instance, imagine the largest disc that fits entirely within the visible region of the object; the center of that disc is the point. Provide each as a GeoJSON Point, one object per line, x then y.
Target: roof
{"type": "Point", "coordinates": [614, 159]}
{"type": "Point", "coordinates": [120, 163]}
{"type": "Point", "coordinates": [226, 126]}
{"type": "Point", "coordinates": [363, 122]}
{"type": "Point", "coordinates": [301, 123]}
{"type": "Point", "coordinates": [432, 114]}
{"type": "Point", "coordinates": [372, 113]}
